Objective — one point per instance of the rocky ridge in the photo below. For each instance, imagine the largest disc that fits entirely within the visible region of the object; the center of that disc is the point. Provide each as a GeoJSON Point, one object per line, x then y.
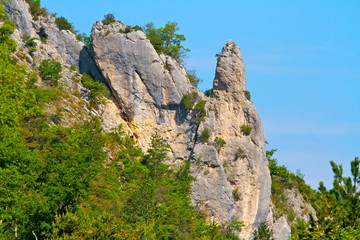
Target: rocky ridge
{"type": "Point", "coordinates": [232, 180]}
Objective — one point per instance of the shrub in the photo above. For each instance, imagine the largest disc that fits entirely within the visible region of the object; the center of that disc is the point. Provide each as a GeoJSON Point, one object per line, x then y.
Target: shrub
{"type": "Point", "coordinates": [206, 172]}
{"type": "Point", "coordinates": [50, 71]}
{"type": "Point", "coordinates": [96, 88]}
{"type": "Point", "coordinates": [208, 92]}
{"type": "Point", "coordinates": [87, 40]}
{"type": "Point", "coordinates": [35, 9]}
{"type": "Point", "coordinates": [63, 24]}
{"type": "Point", "coordinates": [247, 95]}
{"type": "Point", "coordinates": [219, 143]}
{"type": "Point", "coordinates": [236, 194]}
{"type": "Point", "coordinates": [204, 136]}
{"type": "Point", "coordinates": [199, 112]}
{"type": "Point", "coordinates": [263, 233]}
{"type": "Point", "coordinates": [166, 40]}
{"type": "Point", "coordinates": [137, 28]}
{"type": "Point", "coordinates": [108, 19]}
{"type": "Point", "coordinates": [218, 57]}
{"type": "Point", "coordinates": [189, 100]}
{"type": "Point", "coordinates": [29, 42]}
{"type": "Point", "coordinates": [194, 80]}
{"type": "Point", "coordinates": [246, 129]}
{"type": "Point", "coordinates": [240, 153]}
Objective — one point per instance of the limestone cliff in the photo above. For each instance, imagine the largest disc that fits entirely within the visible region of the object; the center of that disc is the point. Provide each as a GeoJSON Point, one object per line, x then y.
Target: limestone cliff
{"type": "Point", "coordinates": [242, 164]}
{"type": "Point", "coordinates": [232, 179]}
{"type": "Point", "coordinates": [149, 88]}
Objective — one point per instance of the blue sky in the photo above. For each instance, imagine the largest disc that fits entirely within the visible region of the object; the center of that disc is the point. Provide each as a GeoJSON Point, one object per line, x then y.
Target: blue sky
{"type": "Point", "coordinates": [302, 60]}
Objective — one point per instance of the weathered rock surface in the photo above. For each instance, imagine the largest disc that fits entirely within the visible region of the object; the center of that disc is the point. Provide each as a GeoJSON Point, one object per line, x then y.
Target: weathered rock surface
{"type": "Point", "coordinates": [296, 201]}
{"type": "Point", "coordinates": [64, 47]}
{"type": "Point", "coordinates": [244, 165]}
{"type": "Point", "coordinates": [149, 88]}
{"type": "Point", "coordinates": [232, 181]}
{"type": "Point", "coordinates": [281, 229]}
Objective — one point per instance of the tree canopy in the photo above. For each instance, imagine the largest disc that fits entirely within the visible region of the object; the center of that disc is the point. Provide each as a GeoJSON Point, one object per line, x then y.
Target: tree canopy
{"type": "Point", "coordinates": [166, 40]}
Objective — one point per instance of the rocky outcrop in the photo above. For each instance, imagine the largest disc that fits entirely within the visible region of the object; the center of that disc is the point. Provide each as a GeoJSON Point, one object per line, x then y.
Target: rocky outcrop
{"type": "Point", "coordinates": [232, 179]}
{"type": "Point", "coordinates": [243, 177]}
{"type": "Point", "coordinates": [149, 87]}
{"type": "Point", "coordinates": [281, 229]}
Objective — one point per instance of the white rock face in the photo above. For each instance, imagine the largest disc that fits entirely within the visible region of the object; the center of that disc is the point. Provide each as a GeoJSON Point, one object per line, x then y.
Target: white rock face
{"type": "Point", "coordinates": [147, 86]}
{"type": "Point", "coordinates": [232, 182]}
{"type": "Point", "coordinates": [243, 163]}
{"type": "Point", "coordinates": [281, 229]}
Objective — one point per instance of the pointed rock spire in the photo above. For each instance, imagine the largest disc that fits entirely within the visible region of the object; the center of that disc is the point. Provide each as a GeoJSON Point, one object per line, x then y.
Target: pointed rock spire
{"type": "Point", "coordinates": [230, 70]}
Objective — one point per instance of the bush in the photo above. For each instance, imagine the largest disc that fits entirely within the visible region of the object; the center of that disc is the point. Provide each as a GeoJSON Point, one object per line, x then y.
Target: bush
{"type": "Point", "coordinates": [194, 80]}
{"type": "Point", "coordinates": [263, 233]}
{"type": "Point", "coordinates": [35, 9]}
{"type": "Point", "coordinates": [137, 28]}
{"type": "Point", "coordinates": [166, 40]}
{"type": "Point", "coordinates": [219, 143]}
{"type": "Point", "coordinates": [50, 71]}
{"type": "Point", "coordinates": [246, 129]}
{"type": "Point", "coordinates": [204, 136]}
{"type": "Point", "coordinates": [189, 100]}
{"type": "Point", "coordinates": [109, 18]}
{"type": "Point", "coordinates": [208, 92]}
{"type": "Point", "coordinates": [199, 112]}
{"type": "Point", "coordinates": [29, 42]}
{"type": "Point", "coordinates": [240, 153]}
{"type": "Point", "coordinates": [96, 88]}
{"type": "Point", "coordinates": [236, 194]}
{"type": "Point", "coordinates": [63, 24]}
{"type": "Point", "coordinates": [247, 95]}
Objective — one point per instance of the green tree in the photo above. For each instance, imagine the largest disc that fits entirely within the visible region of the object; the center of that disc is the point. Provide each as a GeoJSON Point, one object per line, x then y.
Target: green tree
{"type": "Point", "coordinates": [109, 18]}
{"type": "Point", "coordinates": [263, 233]}
{"type": "Point", "coordinates": [96, 88]}
{"type": "Point", "coordinates": [50, 71]}
{"type": "Point", "coordinates": [166, 40]}
{"type": "Point", "coordinates": [337, 209]}
{"type": "Point", "coordinates": [63, 24]}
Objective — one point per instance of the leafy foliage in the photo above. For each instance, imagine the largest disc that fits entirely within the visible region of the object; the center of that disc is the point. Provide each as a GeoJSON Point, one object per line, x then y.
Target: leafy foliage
{"type": "Point", "coordinates": [166, 40]}
{"type": "Point", "coordinates": [208, 92]}
{"type": "Point", "coordinates": [204, 136]}
{"type": "Point", "coordinates": [337, 209]}
{"type": "Point", "coordinates": [247, 95]}
{"type": "Point", "coordinates": [189, 100]}
{"type": "Point", "coordinates": [263, 233]}
{"type": "Point", "coordinates": [199, 112]}
{"type": "Point", "coordinates": [57, 183]}
{"type": "Point", "coordinates": [50, 71]}
{"type": "Point", "coordinates": [240, 153]}
{"type": "Point", "coordinates": [219, 143]}
{"type": "Point", "coordinates": [108, 19]}
{"type": "Point", "coordinates": [283, 179]}
{"type": "Point", "coordinates": [236, 194]}
{"type": "Point", "coordinates": [96, 88]}
{"type": "Point", "coordinates": [63, 24]}
{"type": "Point", "coordinates": [193, 78]}
{"type": "Point", "coordinates": [246, 129]}
{"type": "Point", "coordinates": [35, 9]}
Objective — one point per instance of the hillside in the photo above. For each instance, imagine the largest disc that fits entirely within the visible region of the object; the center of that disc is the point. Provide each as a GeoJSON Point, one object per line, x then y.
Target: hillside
{"type": "Point", "coordinates": [108, 137]}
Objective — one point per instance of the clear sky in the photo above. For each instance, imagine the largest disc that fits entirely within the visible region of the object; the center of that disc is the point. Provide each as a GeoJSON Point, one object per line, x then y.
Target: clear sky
{"type": "Point", "coordinates": [302, 60]}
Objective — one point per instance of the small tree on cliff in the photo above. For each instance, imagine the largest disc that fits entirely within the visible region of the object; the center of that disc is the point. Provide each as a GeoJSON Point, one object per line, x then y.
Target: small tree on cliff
{"type": "Point", "coordinates": [166, 40]}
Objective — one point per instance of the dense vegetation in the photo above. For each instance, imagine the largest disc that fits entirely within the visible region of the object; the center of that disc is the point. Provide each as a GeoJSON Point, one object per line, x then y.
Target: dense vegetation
{"type": "Point", "coordinates": [81, 183]}
{"type": "Point", "coordinates": [337, 209]}
{"type": "Point", "coordinates": [58, 183]}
